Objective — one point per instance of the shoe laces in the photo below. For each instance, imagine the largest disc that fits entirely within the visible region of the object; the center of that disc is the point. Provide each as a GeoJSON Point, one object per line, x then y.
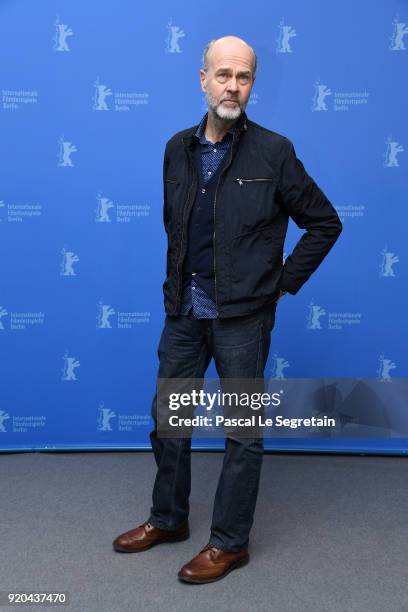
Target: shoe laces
{"type": "Point", "coordinates": [208, 547]}
{"type": "Point", "coordinates": [147, 525]}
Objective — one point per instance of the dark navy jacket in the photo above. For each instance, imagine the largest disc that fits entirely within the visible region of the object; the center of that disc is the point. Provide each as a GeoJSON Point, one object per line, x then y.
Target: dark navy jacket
{"type": "Point", "coordinates": [261, 185]}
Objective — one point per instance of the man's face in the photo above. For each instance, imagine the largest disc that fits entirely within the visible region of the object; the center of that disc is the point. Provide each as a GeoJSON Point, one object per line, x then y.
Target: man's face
{"type": "Point", "coordinates": [228, 81]}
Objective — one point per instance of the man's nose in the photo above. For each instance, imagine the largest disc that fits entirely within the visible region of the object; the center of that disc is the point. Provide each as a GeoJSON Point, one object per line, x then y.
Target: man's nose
{"type": "Point", "coordinates": [233, 84]}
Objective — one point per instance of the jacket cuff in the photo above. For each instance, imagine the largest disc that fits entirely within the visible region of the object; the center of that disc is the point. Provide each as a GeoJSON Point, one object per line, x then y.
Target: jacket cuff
{"type": "Point", "coordinates": [287, 285]}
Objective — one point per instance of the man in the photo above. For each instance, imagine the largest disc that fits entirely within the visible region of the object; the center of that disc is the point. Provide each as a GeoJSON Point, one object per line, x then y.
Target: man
{"type": "Point", "coordinates": [230, 186]}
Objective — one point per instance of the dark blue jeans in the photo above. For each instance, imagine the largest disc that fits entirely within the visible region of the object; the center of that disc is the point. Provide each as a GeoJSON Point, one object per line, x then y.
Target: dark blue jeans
{"type": "Point", "coordinates": [240, 348]}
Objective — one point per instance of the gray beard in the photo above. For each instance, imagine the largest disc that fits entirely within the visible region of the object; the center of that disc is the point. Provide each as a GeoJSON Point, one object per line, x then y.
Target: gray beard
{"type": "Point", "coordinates": [222, 113]}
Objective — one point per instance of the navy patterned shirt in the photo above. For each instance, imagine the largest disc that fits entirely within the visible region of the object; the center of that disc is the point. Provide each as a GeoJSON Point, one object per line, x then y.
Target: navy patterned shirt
{"type": "Point", "coordinates": [212, 154]}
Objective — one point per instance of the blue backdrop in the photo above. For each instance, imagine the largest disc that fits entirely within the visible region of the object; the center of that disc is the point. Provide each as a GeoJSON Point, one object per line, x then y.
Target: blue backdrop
{"type": "Point", "coordinates": [91, 91]}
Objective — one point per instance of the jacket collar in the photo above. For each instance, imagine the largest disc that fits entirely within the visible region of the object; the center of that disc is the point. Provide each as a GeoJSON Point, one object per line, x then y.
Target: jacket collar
{"type": "Point", "coordinates": [240, 125]}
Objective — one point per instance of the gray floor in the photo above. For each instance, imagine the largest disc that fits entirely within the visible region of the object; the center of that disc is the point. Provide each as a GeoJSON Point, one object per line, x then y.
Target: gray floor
{"type": "Point", "coordinates": [330, 534]}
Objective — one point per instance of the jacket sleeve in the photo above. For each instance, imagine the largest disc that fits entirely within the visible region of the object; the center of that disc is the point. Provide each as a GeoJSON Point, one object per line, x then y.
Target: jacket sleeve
{"type": "Point", "coordinates": [165, 209]}
{"type": "Point", "coordinates": [311, 210]}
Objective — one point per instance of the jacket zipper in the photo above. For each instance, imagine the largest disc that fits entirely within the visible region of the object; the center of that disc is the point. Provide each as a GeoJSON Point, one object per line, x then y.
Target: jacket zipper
{"type": "Point", "coordinates": [241, 181]}
{"type": "Point", "coordinates": [215, 201]}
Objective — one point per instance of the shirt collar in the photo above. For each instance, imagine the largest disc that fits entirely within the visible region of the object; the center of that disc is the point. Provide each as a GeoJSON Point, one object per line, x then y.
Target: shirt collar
{"type": "Point", "coordinates": [201, 129]}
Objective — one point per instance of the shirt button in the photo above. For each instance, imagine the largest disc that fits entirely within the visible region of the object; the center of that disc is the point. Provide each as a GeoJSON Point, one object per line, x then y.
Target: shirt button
{"type": "Point", "coordinates": [203, 191]}
{"type": "Point", "coordinates": [215, 150]}
{"type": "Point", "coordinates": [193, 287]}
{"type": "Point", "coordinates": [209, 172]}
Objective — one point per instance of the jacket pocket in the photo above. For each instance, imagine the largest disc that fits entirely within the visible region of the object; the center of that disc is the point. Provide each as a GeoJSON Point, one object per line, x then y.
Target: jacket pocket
{"type": "Point", "coordinates": [242, 181]}
{"type": "Point", "coordinates": [171, 185]}
{"type": "Point", "coordinates": [253, 200]}
{"type": "Point", "coordinates": [255, 262]}
{"type": "Point", "coordinates": [171, 190]}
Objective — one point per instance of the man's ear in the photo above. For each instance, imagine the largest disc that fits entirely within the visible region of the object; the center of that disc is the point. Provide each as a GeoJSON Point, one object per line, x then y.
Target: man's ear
{"type": "Point", "coordinates": [203, 80]}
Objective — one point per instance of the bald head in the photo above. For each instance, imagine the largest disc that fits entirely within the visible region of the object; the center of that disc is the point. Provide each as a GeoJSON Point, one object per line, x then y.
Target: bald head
{"type": "Point", "coordinates": [227, 77]}
{"type": "Point", "coordinates": [229, 48]}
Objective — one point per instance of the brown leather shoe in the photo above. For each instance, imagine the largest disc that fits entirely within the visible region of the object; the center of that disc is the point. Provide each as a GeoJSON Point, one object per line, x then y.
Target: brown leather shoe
{"type": "Point", "coordinates": [146, 535]}
{"type": "Point", "coordinates": [212, 564]}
